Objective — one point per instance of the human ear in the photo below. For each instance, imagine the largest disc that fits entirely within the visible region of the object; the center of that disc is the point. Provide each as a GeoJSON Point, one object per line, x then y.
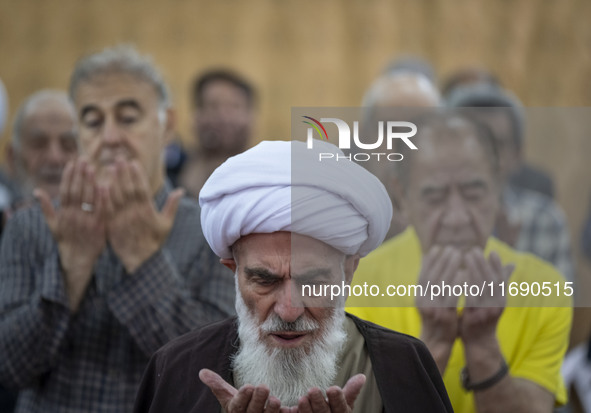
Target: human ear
{"type": "Point", "coordinates": [351, 263]}
{"type": "Point", "coordinates": [230, 263]}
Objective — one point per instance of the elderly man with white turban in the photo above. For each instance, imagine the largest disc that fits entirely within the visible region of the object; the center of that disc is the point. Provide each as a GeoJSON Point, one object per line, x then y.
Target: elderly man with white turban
{"type": "Point", "coordinates": [281, 218]}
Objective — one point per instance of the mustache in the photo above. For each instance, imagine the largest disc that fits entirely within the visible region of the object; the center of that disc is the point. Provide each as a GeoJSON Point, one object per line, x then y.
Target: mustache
{"type": "Point", "coordinates": [274, 324]}
{"type": "Point", "coordinates": [107, 156]}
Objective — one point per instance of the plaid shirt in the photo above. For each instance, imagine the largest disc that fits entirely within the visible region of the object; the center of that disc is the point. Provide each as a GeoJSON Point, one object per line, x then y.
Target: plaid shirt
{"type": "Point", "coordinates": [544, 230]}
{"type": "Point", "coordinates": [92, 361]}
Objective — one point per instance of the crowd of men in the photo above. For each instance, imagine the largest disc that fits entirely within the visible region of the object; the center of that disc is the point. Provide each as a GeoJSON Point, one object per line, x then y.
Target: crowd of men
{"type": "Point", "coordinates": [139, 276]}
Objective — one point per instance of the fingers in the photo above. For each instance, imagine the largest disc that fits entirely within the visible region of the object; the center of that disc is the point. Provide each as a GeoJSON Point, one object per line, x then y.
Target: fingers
{"type": "Point", "coordinates": [443, 265]}
{"type": "Point", "coordinates": [337, 400]}
{"type": "Point", "coordinates": [508, 271]}
{"type": "Point", "coordinates": [88, 186]}
{"type": "Point", "coordinates": [273, 405]}
{"type": "Point", "coordinates": [116, 193]}
{"type": "Point", "coordinates": [313, 402]}
{"type": "Point", "coordinates": [105, 205]}
{"type": "Point", "coordinates": [128, 184]}
{"type": "Point", "coordinates": [73, 195]}
{"type": "Point", "coordinates": [440, 265]}
{"type": "Point", "coordinates": [46, 207]}
{"type": "Point", "coordinates": [125, 179]}
{"type": "Point", "coordinates": [139, 181]}
{"type": "Point", "coordinates": [172, 203]}
{"type": "Point", "coordinates": [66, 182]}
{"type": "Point", "coordinates": [485, 271]}
{"type": "Point", "coordinates": [241, 401]}
{"type": "Point", "coordinates": [222, 390]}
{"type": "Point", "coordinates": [353, 388]}
{"type": "Point", "coordinates": [428, 260]}
{"type": "Point", "coordinates": [504, 271]}
{"type": "Point", "coordinates": [133, 181]}
{"type": "Point", "coordinates": [248, 399]}
{"type": "Point", "coordinates": [256, 403]}
{"type": "Point", "coordinates": [478, 272]}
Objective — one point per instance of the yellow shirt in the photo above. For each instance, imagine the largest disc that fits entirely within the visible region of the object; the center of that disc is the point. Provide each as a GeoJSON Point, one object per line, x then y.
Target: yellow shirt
{"type": "Point", "coordinates": [533, 332]}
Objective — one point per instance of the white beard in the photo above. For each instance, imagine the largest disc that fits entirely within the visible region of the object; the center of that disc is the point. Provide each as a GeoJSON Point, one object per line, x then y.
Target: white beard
{"type": "Point", "coordinates": [289, 372]}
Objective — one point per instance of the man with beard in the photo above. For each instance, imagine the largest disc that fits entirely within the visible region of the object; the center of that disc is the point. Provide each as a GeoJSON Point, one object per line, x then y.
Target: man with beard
{"type": "Point", "coordinates": [282, 220]}
{"type": "Point", "coordinates": [93, 285]}
{"type": "Point", "coordinates": [223, 121]}
{"type": "Point", "coordinates": [44, 139]}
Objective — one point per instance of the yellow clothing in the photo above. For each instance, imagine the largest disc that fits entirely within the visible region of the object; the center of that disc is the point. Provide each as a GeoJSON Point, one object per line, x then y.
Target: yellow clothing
{"type": "Point", "coordinates": [533, 332]}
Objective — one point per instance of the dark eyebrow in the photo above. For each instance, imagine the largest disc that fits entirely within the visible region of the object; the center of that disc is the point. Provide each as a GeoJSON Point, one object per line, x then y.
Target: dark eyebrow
{"type": "Point", "coordinates": [476, 183]}
{"type": "Point", "coordinates": [313, 275]}
{"type": "Point", "coordinates": [429, 190]}
{"type": "Point", "coordinates": [129, 103]}
{"type": "Point", "coordinates": [86, 109]}
{"type": "Point", "coordinates": [261, 273]}
{"type": "Point", "coordinates": [121, 104]}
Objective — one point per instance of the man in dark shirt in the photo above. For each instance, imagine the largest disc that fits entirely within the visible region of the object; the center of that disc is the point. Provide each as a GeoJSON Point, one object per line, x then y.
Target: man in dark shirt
{"type": "Point", "coordinates": [92, 286]}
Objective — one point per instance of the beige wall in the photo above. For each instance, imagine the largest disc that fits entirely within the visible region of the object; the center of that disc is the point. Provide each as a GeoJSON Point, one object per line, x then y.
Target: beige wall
{"type": "Point", "coordinates": [323, 52]}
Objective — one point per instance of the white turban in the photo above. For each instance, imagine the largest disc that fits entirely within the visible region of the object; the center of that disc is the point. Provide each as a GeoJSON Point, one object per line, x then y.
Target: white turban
{"type": "Point", "coordinates": [282, 186]}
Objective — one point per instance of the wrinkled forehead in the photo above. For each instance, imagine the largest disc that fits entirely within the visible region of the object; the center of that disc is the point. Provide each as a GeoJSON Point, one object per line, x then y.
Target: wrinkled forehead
{"type": "Point", "coordinates": [285, 249]}
{"type": "Point", "coordinates": [110, 88]}
{"type": "Point", "coordinates": [451, 145]}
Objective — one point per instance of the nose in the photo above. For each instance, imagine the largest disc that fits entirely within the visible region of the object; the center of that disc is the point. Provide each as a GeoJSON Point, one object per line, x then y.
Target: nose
{"type": "Point", "coordinates": [456, 212]}
{"type": "Point", "coordinates": [55, 154]}
{"type": "Point", "coordinates": [289, 305]}
{"type": "Point", "coordinates": [111, 133]}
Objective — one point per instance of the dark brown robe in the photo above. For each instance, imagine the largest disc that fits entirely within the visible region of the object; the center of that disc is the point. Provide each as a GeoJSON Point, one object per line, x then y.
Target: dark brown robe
{"type": "Point", "coordinates": [406, 374]}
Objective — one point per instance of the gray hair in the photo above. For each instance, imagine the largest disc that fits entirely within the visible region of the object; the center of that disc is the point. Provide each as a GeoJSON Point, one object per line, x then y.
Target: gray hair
{"type": "Point", "coordinates": [30, 102]}
{"type": "Point", "coordinates": [443, 120]}
{"type": "Point", "coordinates": [491, 96]}
{"type": "Point", "coordinates": [411, 64]}
{"type": "Point", "coordinates": [120, 59]}
{"type": "Point", "coordinates": [381, 87]}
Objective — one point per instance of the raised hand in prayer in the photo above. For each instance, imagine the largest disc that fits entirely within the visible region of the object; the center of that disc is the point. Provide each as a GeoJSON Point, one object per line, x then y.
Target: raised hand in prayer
{"type": "Point", "coordinates": [135, 228]}
{"type": "Point", "coordinates": [257, 398]}
{"type": "Point", "coordinates": [78, 226]}
{"type": "Point", "coordinates": [440, 323]}
{"type": "Point", "coordinates": [337, 400]}
{"type": "Point", "coordinates": [252, 399]}
{"type": "Point", "coordinates": [478, 324]}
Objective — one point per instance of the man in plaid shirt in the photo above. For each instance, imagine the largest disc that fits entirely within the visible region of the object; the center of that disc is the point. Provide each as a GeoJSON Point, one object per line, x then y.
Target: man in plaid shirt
{"type": "Point", "coordinates": [91, 286]}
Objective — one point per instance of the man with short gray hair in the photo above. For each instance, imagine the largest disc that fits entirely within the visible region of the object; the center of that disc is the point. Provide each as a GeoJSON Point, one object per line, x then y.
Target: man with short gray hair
{"type": "Point", "coordinates": [399, 94]}
{"type": "Point", "coordinates": [44, 139]}
{"type": "Point", "coordinates": [92, 286]}
{"type": "Point", "coordinates": [528, 220]}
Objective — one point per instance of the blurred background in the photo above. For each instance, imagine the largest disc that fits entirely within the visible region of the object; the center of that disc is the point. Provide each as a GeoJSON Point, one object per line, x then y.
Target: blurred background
{"type": "Point", "coordinates": [326, 53]}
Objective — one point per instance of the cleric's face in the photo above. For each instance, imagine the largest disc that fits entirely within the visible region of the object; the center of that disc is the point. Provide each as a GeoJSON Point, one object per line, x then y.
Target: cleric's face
{"type": "Point", "coordinates": [271, 269]}
{"type": "Point", "coordinates": [288, 342]}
